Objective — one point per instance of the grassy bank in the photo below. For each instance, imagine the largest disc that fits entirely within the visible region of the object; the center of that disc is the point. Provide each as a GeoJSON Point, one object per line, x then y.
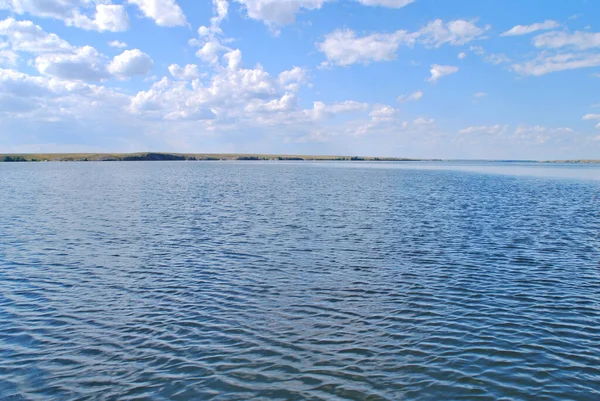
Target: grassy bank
{"type": "Point", "coordinates": [145, 156]}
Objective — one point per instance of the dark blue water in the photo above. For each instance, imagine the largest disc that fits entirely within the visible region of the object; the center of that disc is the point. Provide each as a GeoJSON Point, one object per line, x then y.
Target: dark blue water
{"type": "Point", "coordinates": [299, 281]}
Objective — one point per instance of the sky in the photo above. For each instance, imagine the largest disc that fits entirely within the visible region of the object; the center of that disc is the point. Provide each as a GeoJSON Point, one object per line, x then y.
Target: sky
{"type": "Point", "coordinates": [466, 79]}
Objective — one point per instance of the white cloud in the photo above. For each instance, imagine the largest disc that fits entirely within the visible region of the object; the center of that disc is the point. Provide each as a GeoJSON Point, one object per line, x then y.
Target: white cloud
{"type": "Point", "coordinates": [296, 74]}
{"type": "Point", "coordinates": [7, 56]}
{"type": "Point", "coordinates": [525, 29]}
{"type": "Point", "coordinates": [104, 16]}
{"type": "Point", "coordinates": [230, 90]}
{"type": "Point", "coordinates": [130, 63]}
{"type": "Point", "coordinates": [497, 59]}
{"type": "Point", "coordinates": [568, 51]}
{"type": "Point", "coordinates": [422, 121]}
{"type": "Point", "coordinates": [286, 103]}
{"type": "Point", "coordinates": [343, 46]}
{"type": "Point", "coordinates": [117, 44]}
{"type": "Point", "coordinates": [321, 111]}
{"type": "Point", "coordinates": [538, 135]}
{"type": "Point", "coordinates": [188, 72]}
{"type": "Point", "coordinates": [462, 55]}
{"type": "Point", "coordinates": [547, 63]}
{"type": "Point", "coordinates": [82, 64]}
{"type": "Point", "coordinates": [283, 12]}
{"type": "Point", "coordinates": [348, 106]}
{"type": "Point", "coordinates": [220, 10]}
{"type": "Point", "coordinates": [25, 36]}
{"type": "Point", "coordinates": [108, 17]}
{"type": "Point", "coordinates": [578, 40]}
{"type": "Point", "coordinates": [211, 50]}
{"type": "Point", "coordinates": [412, 97]}
{"type": "Point", "coordinates": [478, 50]}
{"type": "Point", "coordinates": [233, 59]}
{"type": "Point", "coordinates": [52, 56]}
{"type": "Point", "coordinates": [588, 117]}
{"type": "Point", "coordinates": [163, 12]}
{"type": "Point", "coordinates": [383, 112]}
{"type": "Point", "coordinates": [484, 129]}
{"type": "Point", "coordinates": [277, 12]}
{"type": "Point", "coordinates": [439, 71]}
{"type": "Point", "coordinates": [458, 32]}
{"type": "Point", "coordinates": [210, 38]}
{"type": "Point", "coordinates": [52, 99]}
{"type": "Point", "coordinates": [480, 94]}
{"type": "Point", "coordinates": [292, 79]}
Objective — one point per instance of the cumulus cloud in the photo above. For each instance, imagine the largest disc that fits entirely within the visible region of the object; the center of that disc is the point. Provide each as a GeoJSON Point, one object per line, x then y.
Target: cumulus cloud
{"type": "Point", "coordinates": [221, 9]}
{"type": "Point", "coordinates": [82, 64]}
{"type": "Point", "coordinates": [108, 17]}
{"type": "Point", "coordinates": [547, 63]}
{"type": "Point", "coordinates": [322, 111]}
{"type": "Point", "coordinates": [344, 47]}
{"type": "Point", "coordinates": [485, 129]}
{"type": "Point", "coordinates": [562, 50]}
{"type": "Point", "coordinates": [210, 38]}
{"type": "Point", "coordinates": [383, 112]}
{"type": "Point", "coordinates": [592, 117]}
{"type": "Point", "coordinates": [526, 29]}
{"type": "Point", "coordinates": [25, 36]}
{"type": "Point", "coordinates": [130, 63]}
{"type": "Point", "coordinates": [278, 13]}
{"type": "Point", "coordinates": [55, 57]}
{"type": "Point", "coordinates": [457, 32]}
{"type": "Point", "coordinates": [412, 97]}
{"type": "Point", "coordinates": [538, 134]}
{"type": "Point", "coordinates": [578, 40]}
{"type": "Point", "coordinates": [8, 57]}
{"type": "Point", "coordinates": [53, 98]}
{"type": "Point", "coordinates": [439, 71]}
{"type": "Point", "coordinates": [103, 17]}
{"type": "Point", "coordinates": [117, 44]}
{"type": "Point", "coordinates": [462, 55]}
{"type": "Point", "coordinates": [296, 74]}
{"type": "Point", "coordinates": [286, 103]}
{"type": "Point", "coordinates": [164, 12]}
{"type": "Point", "coordinates": [497, 58]}
{"type": "Point", "coordinates": [229, 88]}
{"type": "Point", "coordinates": [188, 72]}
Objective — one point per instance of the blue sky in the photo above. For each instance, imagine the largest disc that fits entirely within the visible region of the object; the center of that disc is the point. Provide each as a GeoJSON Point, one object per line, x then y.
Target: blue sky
{"type": "Point", "coordinates": [416, 78]}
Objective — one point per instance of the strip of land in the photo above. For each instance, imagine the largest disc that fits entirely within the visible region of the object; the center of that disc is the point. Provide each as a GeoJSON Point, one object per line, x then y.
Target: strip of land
{"type": "Point", "coordinates": [151, 156]}
{"type": "Point", "coordinates": [577, 161]}
{"type": "Point", "coordinates": [160, 156]}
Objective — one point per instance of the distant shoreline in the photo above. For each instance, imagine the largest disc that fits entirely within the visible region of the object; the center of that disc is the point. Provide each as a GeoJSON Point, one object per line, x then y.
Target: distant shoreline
{"type": "Point", "coordinates": [161, 156]}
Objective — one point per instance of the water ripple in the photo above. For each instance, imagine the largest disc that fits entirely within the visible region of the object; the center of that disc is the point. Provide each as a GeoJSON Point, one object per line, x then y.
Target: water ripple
{"type": "Point", "coordinates": [282, 281]}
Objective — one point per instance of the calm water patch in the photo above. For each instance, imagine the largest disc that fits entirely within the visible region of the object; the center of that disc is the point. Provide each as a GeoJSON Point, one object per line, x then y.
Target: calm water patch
{"type": "Point", "coordinates": [299, 281]}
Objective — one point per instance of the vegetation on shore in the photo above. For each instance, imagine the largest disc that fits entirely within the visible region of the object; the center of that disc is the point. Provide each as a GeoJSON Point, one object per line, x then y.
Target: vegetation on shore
{"type": "Point", "coordinates": [152, 156]}
{"type": "Point", "coordinates": [160, 156]}
{"type": "Point", "coordinates": [577, 161]}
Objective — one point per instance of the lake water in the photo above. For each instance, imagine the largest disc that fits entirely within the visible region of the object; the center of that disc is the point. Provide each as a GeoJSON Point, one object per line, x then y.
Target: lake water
{"type": "Point", "coordinates": [299, 281]}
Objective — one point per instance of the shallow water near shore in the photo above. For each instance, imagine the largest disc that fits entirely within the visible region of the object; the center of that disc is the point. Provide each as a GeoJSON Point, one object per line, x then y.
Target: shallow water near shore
{"type": "Point", "coordinates": [299, 281]}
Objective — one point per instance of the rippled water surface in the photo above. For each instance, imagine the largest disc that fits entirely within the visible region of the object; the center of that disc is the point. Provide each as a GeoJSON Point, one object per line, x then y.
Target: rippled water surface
{"type": "Point", "coordinates": [298, 281]}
